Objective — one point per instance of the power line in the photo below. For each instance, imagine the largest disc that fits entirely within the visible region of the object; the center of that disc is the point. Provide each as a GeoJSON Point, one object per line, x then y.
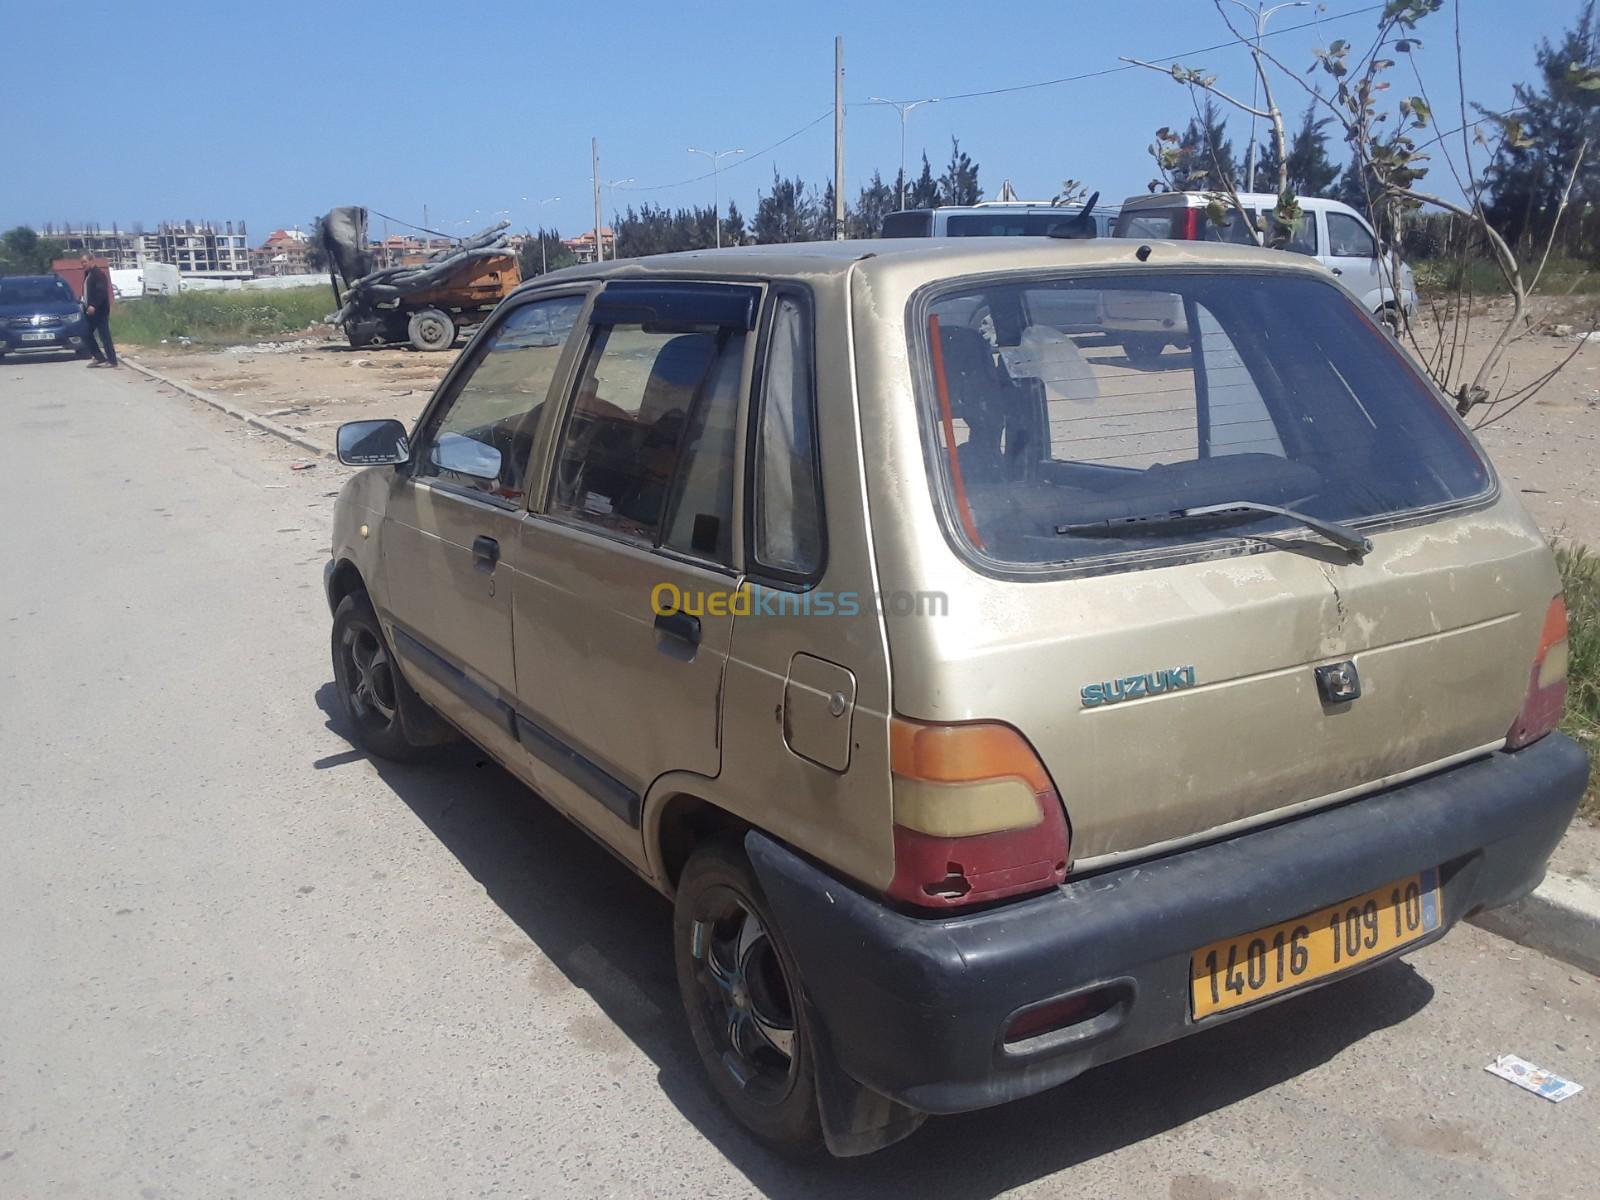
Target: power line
{"type": "Point", "coordinates": [1021, 87]}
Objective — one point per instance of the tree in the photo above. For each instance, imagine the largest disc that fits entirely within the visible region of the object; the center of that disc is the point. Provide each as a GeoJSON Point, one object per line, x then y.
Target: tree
{"type": "Point", "coordinates": [959, 183]}
{"type": "Point", "coordinates": [554, 256]}
{"type": "Point", "coordinates": [924, 193]}
{"type": "Point", "coordinates": [24, 252]}
{"type": "Point", "coordinates": [1311, 171]}
{"type": "Point", "coordinates": [733, 232]}
{"type": "Point", "coordinates": [786, 214]}
{"type": "Point", "coordinates": [876, 200]}
{"type": "Point", "coordinates": [1560, 114]}
{"type": "Point", "coordinates": [1206, 153]}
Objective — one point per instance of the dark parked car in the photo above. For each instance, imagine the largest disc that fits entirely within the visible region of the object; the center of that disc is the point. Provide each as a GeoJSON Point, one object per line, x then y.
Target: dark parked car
{"type": "Point", "coordinates": [39, 312]}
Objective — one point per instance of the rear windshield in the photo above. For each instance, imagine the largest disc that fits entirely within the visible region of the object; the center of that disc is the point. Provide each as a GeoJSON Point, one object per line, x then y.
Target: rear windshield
{"type": "Point", "coordinates": [33, 290]}
{"type": "Point", "coordinates": [1007, 224]}
{"type": "Point", "coordinates": [908, 224]}
{"type": "Point", "coordinates": [1057, 401]}
{"type": "Point", "coordinates": [1178, 224]}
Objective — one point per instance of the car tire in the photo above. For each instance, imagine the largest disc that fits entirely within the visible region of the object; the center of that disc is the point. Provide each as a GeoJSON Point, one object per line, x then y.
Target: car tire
{"type": "Point", "coordinates": [373, 694]}
{"type": "Point", "coordinates": [1144, 351]}
{"type": "Point", "coordinates": [741, 993]}
{"type": "Point", "coordinates": [432, 329]}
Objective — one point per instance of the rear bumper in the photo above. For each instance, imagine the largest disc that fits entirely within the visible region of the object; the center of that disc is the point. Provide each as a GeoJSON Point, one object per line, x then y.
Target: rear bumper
{"type": "Point", "coordinates": [914, 1007]}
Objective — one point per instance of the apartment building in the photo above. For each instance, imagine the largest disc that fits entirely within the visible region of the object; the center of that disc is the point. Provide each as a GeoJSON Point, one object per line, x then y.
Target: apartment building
{"type": "Point", "coordinates": [204, 250]}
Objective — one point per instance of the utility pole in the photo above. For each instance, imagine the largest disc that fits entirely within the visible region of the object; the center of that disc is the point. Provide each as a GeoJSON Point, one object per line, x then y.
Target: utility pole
{"type": "Point", "coordinates": [838, 139]}
{"type": "Point", "coordinates": [716, 157]}
{"type": "Point", "coordinates": [599, 242]}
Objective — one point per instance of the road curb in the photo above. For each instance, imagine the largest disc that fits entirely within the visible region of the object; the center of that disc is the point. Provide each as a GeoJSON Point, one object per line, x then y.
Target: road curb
{"type": "Point", "coordinates": [293, 436]}
{"type": "Point", "coordinates": [1561, 918]}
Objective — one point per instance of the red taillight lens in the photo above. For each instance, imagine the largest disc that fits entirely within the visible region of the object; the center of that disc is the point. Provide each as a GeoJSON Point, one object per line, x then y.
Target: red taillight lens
{"type": "Point", "coordinates": [1191, 225]}
{"type": "Point", "coordinates": [976, 816]}
{"type": "Point", "coordinates": [1547, 683]}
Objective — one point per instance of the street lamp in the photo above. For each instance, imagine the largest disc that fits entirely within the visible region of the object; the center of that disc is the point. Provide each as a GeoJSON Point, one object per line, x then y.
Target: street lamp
{"type": "Point", "coordinates": [544, 260]}
{"type": "Point", "coordinates": [1262, 16]}
{"type": "Point", "coordinates": [716, 157]}
{"type": "Point", "coordinates": [903, 107]}
{"type": "Point", "coordinates": [599, 242]}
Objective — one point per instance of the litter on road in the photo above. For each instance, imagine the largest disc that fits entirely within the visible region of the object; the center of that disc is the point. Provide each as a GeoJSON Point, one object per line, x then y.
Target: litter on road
{"type": "Point", "coordinates": [1534, 1079]}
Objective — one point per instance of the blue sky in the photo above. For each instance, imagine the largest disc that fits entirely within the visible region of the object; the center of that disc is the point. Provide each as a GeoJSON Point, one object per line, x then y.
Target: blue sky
{"type": "Point", "coordinates": [275, 112]}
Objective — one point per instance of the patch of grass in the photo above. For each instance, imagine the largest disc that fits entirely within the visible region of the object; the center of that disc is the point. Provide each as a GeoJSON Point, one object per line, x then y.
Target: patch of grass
{"type": "Point", "coordinates": [219, 318]}
{"type": "Point", "coordinates": [1438, 278]}
{"type": "Point", "coordinates": [1580, 581]}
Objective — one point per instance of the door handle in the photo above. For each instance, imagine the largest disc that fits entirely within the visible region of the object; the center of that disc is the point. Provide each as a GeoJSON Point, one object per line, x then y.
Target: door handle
{"type": "Point", "coordinates": [485, 553]}
{"type": "Point", "coordinates": [1338, 270]}
{"type": "Point", "coordinates": [681, 626]}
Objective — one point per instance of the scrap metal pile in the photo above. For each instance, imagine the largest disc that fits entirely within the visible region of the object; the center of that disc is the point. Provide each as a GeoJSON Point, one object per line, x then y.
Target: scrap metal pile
{"type": "Point", "coordinates": [424, 302]}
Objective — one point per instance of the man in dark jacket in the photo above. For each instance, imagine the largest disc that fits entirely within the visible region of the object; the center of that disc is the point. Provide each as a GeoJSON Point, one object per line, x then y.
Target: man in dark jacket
{"type": "Point", "coordinates": [97, 308]}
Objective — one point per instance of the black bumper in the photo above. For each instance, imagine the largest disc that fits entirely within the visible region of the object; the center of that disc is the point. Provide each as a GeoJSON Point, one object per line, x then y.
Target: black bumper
{"type": "Point", "coordinates": [914, 1006]}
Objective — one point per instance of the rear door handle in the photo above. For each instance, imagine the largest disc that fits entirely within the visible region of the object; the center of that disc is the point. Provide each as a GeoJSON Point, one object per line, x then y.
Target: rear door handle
{"type": "Point", "coordinates": [681, 626]}
{"type": "Point", "coordinates": [485, 553]}
{"type": "Point", "coordinates": [1338, 270]}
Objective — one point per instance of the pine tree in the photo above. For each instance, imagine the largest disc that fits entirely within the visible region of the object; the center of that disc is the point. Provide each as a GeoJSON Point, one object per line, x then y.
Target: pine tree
{"type": "Point", "coordinates": [1542, 140]}
{"type": "Point", "coordinates": [959, 183]}
{"type": "Point", "coordinates": [876, 200]}
{"type": "Point", "coordinates": [924, 193]}
{"type": "Point", "coordinates": [733, 233]}
{"type": "Point", "coordinates": [786, 214]}
{"type": "Point", "coordinates": [1205, 154]}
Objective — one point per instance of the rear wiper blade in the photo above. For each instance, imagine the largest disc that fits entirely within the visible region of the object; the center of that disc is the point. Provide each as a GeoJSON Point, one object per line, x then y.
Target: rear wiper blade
{"type": "Point", "coordinates": [1347, 539]}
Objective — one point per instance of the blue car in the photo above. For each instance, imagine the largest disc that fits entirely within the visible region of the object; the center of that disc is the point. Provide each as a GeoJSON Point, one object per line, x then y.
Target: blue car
{"type": "Point", "coordinates": [39, 312]}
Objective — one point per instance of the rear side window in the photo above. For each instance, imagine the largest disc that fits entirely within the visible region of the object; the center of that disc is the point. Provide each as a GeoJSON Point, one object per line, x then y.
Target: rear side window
{"type": "Point", "coordinates": [1007, 224]}
{"type": "Point", "coordinates": [787, 518]}
{"type": "Point", "coordinates": [1264, 388]}
{"type": "Point", "coordinates": [648, 450]}
{"type": "Point", "coordinates": [908, 224]}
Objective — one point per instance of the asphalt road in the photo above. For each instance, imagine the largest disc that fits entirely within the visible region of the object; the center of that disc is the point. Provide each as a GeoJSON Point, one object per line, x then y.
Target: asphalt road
{"type": "Point", "coordinates": [239, 959]}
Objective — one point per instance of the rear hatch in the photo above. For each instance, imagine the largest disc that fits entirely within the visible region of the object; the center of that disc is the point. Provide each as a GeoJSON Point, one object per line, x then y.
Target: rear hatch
{"type": "Point", "coordinates": [1164, 663]}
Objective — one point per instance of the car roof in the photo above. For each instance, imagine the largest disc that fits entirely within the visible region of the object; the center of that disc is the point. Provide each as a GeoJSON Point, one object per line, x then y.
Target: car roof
{"type": "Point", "coordinates": [31, 279]}
{"type": "Point", "coordinates": [931, 258]}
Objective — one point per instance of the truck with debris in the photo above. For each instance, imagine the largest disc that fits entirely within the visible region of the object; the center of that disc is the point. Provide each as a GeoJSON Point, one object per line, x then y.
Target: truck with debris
{"type": "Point", "coordinates": [427, 304]}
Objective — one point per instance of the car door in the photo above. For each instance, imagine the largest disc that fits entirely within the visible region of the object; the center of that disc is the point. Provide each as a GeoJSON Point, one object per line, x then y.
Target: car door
{"type": "Point", "coordinates": [626, 574]}
{"type": "Point", "coordinates": [455, 509]}
{"type": "Point", "coordinates": [1353, 256]}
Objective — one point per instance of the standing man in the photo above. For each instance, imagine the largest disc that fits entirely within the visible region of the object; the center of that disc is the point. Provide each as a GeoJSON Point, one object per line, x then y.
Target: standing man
{"type": "Point", "coordinates": [97, 308]}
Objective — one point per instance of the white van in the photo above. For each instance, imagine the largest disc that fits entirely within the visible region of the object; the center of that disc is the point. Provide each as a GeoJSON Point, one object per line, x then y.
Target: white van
{"type": "Point", "coordinates": [1334, 234]}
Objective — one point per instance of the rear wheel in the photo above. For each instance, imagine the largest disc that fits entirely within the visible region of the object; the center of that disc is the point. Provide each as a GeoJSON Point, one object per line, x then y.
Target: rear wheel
{"type": "Point", "coordinates": [432, 329]}
{"type": "Point", "coordinates": [743, 999]}
{"type": "Point", "coordinates": [1144, 350]}
{"type": "Point", "coordinates": [371, 689]}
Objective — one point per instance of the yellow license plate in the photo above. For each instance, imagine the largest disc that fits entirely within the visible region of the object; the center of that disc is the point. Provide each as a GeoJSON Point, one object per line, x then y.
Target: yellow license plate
{"type": "Point", "coordinates": [1241, 970]}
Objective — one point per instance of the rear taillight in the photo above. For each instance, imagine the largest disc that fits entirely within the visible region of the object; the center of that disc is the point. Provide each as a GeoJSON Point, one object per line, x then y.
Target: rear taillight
{"type": "Point", "coordinates": [1547, 683]}
{"type": "Point", "coordinates": [976, 817]}
{"type": "Point", "coordinates": [1191, 225]}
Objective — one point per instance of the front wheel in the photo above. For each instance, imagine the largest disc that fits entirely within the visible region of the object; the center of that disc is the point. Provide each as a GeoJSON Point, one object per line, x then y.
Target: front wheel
{"type": "Point", "coordinates": [743, 999]}
{"type": "Point", "coordinates": [371, 689]}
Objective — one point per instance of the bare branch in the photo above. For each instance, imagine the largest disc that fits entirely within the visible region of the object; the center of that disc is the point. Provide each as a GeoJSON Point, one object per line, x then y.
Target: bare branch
{"type": "Point", "coordinates": [1199, 83]}
{"type": "Point", "coordinates": [1555, 225]}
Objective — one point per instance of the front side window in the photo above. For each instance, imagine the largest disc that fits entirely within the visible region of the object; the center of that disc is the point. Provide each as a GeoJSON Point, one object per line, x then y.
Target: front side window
{"type": "Point", "coordinates": [483, 437]}
{"type": "Point", "coordinates": [1349, 238]}
{"type": "Point", "coordinates": [1051, 444]}
{"type": "Point", "coordinates": [648, 450]}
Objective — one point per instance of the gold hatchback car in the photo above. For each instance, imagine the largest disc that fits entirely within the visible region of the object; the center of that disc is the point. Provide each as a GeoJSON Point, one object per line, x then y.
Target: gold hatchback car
{"type": "Point", "coordinates": [990, 705]}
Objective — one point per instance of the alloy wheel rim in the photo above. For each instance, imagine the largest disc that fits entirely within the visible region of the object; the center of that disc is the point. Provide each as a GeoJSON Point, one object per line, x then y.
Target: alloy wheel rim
{"type": "Point", "coordinates": [750, 1004]}
{"type": "Point", "coordinates": [370, 676]}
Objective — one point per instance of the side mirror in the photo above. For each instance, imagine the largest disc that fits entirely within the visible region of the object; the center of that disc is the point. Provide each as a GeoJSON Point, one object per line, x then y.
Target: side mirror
{"type": "Point", "coordinates": [464, 456]}
{"type": "Point", "coordinates": [372, 443]}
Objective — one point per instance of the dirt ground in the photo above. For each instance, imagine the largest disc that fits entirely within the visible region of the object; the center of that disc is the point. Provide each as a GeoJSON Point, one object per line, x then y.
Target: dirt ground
{"type": "Point", "coordinates": [1547, 450]}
